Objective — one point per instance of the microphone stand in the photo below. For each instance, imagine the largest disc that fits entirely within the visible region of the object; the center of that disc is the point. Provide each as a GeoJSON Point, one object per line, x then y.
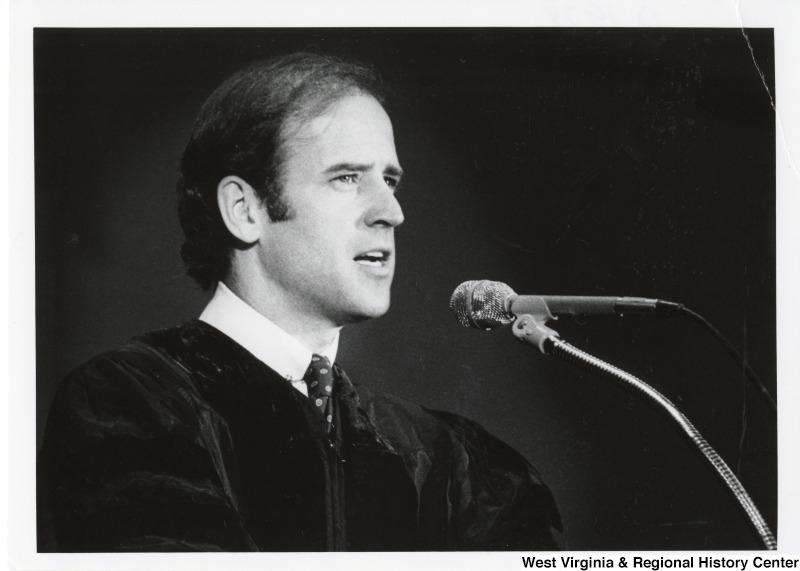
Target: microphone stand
{"type": "Point", "coordinates": [532, 330]}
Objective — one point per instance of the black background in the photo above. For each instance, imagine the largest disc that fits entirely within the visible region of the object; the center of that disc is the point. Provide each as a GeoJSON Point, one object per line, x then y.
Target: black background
{"type": "Point", "coordinates": [571, 161]}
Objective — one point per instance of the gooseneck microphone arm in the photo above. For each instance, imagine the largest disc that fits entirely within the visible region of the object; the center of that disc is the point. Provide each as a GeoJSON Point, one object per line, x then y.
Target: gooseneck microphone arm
{"type": "Point", "coordinates": [529, 329]}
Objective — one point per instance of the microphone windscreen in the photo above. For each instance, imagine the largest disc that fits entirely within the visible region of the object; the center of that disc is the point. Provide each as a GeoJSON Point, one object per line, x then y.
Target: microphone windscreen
{"type": "Point", "coordinates": [481, 304]}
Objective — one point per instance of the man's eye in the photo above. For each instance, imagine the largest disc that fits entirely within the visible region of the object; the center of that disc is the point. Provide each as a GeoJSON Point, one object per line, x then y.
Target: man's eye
{"type": "Point", "coordinates": [348, 178]}
{"type": "Point", "coordinates": [392, 183]}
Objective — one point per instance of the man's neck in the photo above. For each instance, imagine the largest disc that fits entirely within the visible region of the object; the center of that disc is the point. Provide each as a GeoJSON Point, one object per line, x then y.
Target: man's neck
{"type": "Point", "coordinates": [315, 334]}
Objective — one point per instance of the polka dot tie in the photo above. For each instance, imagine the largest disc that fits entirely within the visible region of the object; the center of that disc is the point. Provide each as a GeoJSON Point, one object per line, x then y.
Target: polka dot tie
{"type": "Point", "coordinates": [319, 379]}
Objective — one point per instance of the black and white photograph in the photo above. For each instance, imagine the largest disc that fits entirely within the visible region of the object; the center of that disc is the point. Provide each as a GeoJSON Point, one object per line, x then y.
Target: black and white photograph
{"type": "Point", "coordinates": [378, 289]}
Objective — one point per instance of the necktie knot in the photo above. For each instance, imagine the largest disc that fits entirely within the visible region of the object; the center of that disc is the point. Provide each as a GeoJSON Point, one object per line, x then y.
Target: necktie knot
{"type": "Point", "coordinates": [319, 379]}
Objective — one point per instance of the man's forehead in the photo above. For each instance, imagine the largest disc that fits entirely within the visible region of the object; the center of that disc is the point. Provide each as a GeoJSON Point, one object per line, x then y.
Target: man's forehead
{"type": "Point", "coordinates": [356, 113]}
{"type": "Point", "coordinates": [354, 129]}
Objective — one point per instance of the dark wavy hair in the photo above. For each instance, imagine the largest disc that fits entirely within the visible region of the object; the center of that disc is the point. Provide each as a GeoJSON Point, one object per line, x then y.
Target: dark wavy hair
{"type": "Point", "coordinates": [241, 131]}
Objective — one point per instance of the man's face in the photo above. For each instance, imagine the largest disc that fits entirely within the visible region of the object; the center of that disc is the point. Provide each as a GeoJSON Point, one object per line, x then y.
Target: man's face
{"type": "Point", "coordinates": [333, 261]}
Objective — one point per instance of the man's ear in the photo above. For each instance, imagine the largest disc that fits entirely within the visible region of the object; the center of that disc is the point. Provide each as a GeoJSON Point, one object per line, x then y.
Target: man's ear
{"type": "Point", "coordinates": [240, 208]}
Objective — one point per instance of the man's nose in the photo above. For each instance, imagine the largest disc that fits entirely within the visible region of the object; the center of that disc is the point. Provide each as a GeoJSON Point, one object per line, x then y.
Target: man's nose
{"type": "Point", "coordinates": [384, 209]}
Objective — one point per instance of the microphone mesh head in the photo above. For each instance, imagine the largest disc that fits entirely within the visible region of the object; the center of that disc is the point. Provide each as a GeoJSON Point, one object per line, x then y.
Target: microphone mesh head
{"type": "Point", "coordinates": [481, 304]}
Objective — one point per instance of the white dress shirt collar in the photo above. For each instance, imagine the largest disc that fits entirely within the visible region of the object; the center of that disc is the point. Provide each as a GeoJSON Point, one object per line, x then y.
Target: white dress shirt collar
{"type": "Point", "coordinates": [269, 343]}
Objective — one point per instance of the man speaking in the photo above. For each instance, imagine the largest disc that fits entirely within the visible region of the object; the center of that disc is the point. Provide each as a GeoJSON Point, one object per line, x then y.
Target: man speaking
{"type": "Point", "coordinates": [237, 431]}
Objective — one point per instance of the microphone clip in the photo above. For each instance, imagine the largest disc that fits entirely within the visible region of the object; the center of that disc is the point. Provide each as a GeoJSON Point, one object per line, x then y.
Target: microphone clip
{"type": "Point", "coordinates": [533, 331]}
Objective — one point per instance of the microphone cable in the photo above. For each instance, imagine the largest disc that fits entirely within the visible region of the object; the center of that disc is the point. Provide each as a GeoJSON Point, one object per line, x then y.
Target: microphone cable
{"type": "Point", "coordinates": [733, 352]}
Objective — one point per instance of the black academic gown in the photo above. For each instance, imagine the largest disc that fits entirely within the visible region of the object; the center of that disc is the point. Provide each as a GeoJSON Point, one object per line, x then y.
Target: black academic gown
{"type": "Point", "coordinates": [182, 440]}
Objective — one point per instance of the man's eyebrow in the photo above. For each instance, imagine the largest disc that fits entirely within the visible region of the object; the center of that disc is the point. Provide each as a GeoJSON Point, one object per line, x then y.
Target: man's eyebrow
{"type": "Point", "coordinates": [390, 170]}
{"type": "Point", "coordinates": [394, 171]}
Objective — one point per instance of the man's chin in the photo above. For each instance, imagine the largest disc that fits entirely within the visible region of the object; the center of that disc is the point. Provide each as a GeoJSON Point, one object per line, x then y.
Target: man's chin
{"type": "Point", "coordinates": [365, 312]}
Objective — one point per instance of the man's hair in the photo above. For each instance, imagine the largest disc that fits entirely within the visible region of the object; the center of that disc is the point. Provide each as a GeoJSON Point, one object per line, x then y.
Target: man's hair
{"type": "Point", "coordinates": [241, 130]}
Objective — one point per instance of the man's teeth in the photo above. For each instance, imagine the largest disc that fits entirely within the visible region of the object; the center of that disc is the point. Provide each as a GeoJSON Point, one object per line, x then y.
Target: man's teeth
{"type": "Point", "coordinates": [372, 259]}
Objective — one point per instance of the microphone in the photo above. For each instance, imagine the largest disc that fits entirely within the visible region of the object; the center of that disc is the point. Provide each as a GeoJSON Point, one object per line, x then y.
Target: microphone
{"type": "Point", "coordinates": [484, 304]}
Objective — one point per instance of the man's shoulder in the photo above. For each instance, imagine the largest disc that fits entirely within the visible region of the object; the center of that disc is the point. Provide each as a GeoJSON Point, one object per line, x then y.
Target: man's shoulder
{"type": "Point", "coordinates": [144, 370]}
{"type": "Point", "coordinates": [177, 370]}
{"type": "Point", "coordinates": [143, 355]}
{"type": "Point", "coordinates": [411, 427]}
{"type": "Point", "coordinates": [169, 350]}
{"type": "Point", "coordinates": [388, 409]}
{"type": "Point", "coordinates": [157, 370]}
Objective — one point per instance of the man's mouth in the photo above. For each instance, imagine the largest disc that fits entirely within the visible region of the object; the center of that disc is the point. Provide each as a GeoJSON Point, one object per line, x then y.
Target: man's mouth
{"type": "Point", "coordinates": [373, 258]}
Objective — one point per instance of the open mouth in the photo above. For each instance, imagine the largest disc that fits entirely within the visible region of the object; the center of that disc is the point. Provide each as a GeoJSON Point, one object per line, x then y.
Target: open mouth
{"type": "Point", "coordinates": [374, 258]}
